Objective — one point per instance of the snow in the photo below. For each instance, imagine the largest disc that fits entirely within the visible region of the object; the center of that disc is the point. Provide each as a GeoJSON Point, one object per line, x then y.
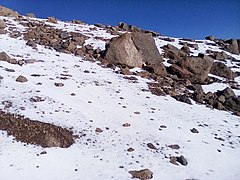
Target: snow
{"type": "Point", "coordinates": [106, 100]}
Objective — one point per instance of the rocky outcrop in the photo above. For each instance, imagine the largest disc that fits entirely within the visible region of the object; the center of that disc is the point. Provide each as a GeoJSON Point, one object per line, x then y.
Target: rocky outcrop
{"type": "Point", "coordinates": [8, 12]}
{"type": "Point", "coordinates": [194, 68]}
{"type": "Point", "coordinates": [220, 69]}
{"type": "Point", "coordinates": [134, 50]}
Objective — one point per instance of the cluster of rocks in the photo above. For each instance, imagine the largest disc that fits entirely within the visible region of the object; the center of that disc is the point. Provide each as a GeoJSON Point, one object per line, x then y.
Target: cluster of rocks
{"type": "Point", "coordinates": [183, 78]}
{"type": "Point", "coordinates": [230, 45]}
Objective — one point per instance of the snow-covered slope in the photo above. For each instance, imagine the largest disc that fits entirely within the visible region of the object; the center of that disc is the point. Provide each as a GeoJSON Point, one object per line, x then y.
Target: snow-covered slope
{"type": "Point", "coordinates": [129, 117]}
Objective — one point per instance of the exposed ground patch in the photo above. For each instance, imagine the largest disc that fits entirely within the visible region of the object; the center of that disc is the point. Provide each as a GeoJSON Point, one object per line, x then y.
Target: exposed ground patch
{"type": "Point", "coordinates": [35, 132]}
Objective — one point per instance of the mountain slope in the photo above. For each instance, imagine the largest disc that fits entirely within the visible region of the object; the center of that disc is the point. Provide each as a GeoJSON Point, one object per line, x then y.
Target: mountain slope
{"type": "Point", "coordinates": [121, 126]}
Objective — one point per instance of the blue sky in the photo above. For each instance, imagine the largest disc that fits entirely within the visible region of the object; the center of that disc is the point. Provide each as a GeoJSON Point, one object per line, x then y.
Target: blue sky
{"type": "Point", "coordinates": [179, 18]}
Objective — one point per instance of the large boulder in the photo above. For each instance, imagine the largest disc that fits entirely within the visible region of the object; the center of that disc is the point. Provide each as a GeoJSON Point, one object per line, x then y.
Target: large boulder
{"type": "Point", "coordinates": [195, 69]}
{"type": "Point", "coordinates": [121, 50]}
{"type": "Point", "coordinates": [220, 69]}
{"type": "Point", "coordinates": [134, 50]}
{"type": "Point", "coordinates": [8, 12]}
{"type": "Point", "coordinates": [233, 46]}
{"type": "Point", "coordinates": [2, 24]}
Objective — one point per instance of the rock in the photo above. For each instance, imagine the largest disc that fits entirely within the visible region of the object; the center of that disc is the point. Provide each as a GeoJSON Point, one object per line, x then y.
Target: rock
{"type": "Point", "coordinates": [4, 57]}
{"type": "Point", "coordinates": [123, 25]}
{"type": "Point", "coordinates": [174, 146]}
{"type": "Point", "coordinates": [145, 44]}
{"type": "Point", "coordinates": [79, 40]}
{"type": "Point", "coordinates": [52, 20]}
{"type": "Point", "coordinates": [182, 160]}
{"type": "Point", "coordinates": [21, 79]}
{"type": "Point", "coordinates": [8, 12]}
{"type": "Point", "coordinates": [186, 49]}
{"type": "Point", "coordinates": [182, 98]}
{"type": "Point", "coordinates": [31, 43]}
{"type": "Point", "coordinates": [233, 104]}
{"type": "Point", "coordinates": [98, 130]}
{"type": "Point", "coordinates": [194, 130]}
{"type": "Point", "coordinates": [31, 15]}
{"type": "Point", "coordinates": [195, 69]}
{"type": "Point", "coordinates": [151, 146]}
{"type": "Point", "coordinates": [227, 93]}
{"type": "Point", "coordinates": [59, 84]}
{"type": "Point", "coordinates": [173, 160]}
{"type": "Point", "coordinates": [121, 50]}
{"type": "Point", "coordinates": [2, 24]}
{"type": "Point", "coordinates": [220, 69]}
{"type": "Point", "coordinates": [211, 38]}
{"type": "Point", "coordinates": [142, 174]}
{"type": "Point", "coordinates": [233, 46]}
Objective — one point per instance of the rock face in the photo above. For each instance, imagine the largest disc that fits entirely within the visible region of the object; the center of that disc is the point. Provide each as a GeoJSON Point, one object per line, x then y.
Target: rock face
{"type": "Point", "coordinates": [194, 68]}
{"type": "Point", "coordinates": [122, 50]}
{"type": "Point", "coordinates": [142, 174]}
{"type": "Point", "coordinates": [8, 12]}
{"type": "Point", "coordinates": [220, 69]}
{"type": "Point", "coordinates": [135, 49]}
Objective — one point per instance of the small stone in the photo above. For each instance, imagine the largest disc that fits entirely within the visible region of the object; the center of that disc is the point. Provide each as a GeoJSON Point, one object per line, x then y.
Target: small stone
{"type": "Point", "coordinates": [98, 130]}
{"type": "Point", "coordinates": [142, 174]}
{"type": "Point", "coordinates": [43, 152]}
{"type": "Point", "coordinates": [173, 160]}
{"type": "Point", "coordinates": [136, 112]}
{"type": "Point", "coordinates": [193, 130]}
{"type": "Point", "coordinates": [163, 126]}
{"type": "Point", "coordinates": [174, 146]}
{"type": "Point", "coordinates": [151, 146]}
{"type": "Point", "coordinates": [126, 125]}
{"type": "Point", "coordinates": [21, 79]}
{"type": "Point", "coordinates": [59, 84]}
{"type": "Point", "coordinates": [130, 149]}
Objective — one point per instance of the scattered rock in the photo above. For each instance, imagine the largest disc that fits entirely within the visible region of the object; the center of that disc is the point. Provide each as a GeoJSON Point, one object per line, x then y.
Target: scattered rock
{"type": "Point", "coordinates": [182, 98]}
{"type": "Point", "coordinates": [194, 130]}
{"type": "Point", "coordinates": [5, 57]}
{"type": "Point", "coordinates": [59, 84]}
{"type": "Point", "coordinates": [126, 125]}
{"type": "Point", "coordinates": [173, 160]}
{"type": "Point", "coordinates": [31, 43]}
{"type": "Point", "coordinates": [21, 79]}
{"type": "Point", "coordinates": [151, 146]}
{"type": "Point", "coordinates": [130, 149]}
{"type": "Point", "coordinates": [98, 130]}
{"type": "Point", "coordinates": [142, 174]}
{"type": "Point", "coordinates": [36, 99]}
{"type": "Point", "coordinates": [174, 146]}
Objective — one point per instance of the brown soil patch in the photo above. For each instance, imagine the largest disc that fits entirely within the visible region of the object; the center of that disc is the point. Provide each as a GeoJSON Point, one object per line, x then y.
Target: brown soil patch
{"type": "Point", "coordinates": [35, 132]}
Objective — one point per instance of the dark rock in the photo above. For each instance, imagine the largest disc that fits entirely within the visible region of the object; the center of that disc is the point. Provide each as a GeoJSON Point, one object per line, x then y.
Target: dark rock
{"type": "Point", "coordinates": [182, 160]}
{"type": "Point", "coordinates": [142, 174]}
{"type": "Point", "coordinates": [227, 93]}
{"type": "Point", "coordinates": [211, 38]}
{"type": "Point", "coordinates": [194, 130]}
{"type": "Point", "coordinates": [233, 104]}
{"type": "Point", "coordinates": [151, 146]}
{"type": "Point", "coordinates": [31, 43]}
{"type": "Point", "coordinates": [220, 69]}
{"type": "Point", "coordinates": [183, 98]}
{"type": "Point", "coordinates": [59, 84]}
{"type": "Point", "coordinates": [21, 79]}
{"type": "Point", "coordinates": [174, 146]}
